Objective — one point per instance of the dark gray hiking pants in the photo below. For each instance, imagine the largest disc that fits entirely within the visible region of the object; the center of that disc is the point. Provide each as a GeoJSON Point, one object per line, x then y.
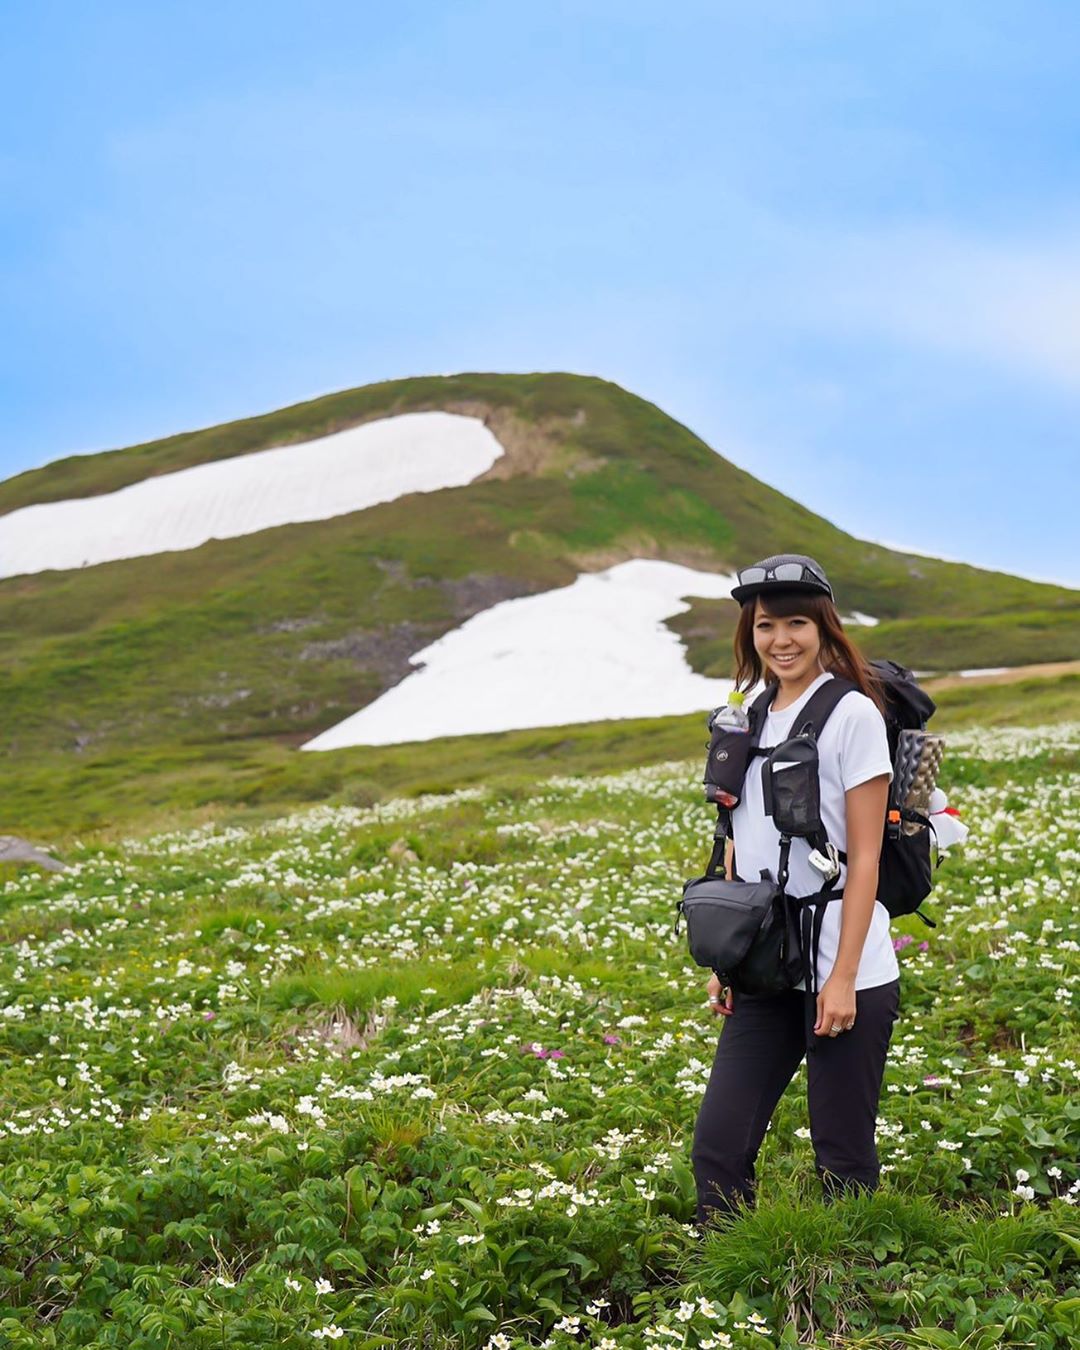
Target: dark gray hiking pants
{"type": "Point", "coordinates": [761, 1045]}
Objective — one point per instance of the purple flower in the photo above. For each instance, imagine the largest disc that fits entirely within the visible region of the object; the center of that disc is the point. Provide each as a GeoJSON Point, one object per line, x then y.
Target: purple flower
{"type": "Point", "coordinates": [901, 942]}
{"type": "Point", "coordinates": [209, 1015]}
{"type": "Point", "coordinates": [555, 1054]}
{"type": "Point", "coordinates": [609, 1039]}
{"type": "Point", "coordinates": [924, 946]}
{"type": "Point", "coordinates": [931, 1080]}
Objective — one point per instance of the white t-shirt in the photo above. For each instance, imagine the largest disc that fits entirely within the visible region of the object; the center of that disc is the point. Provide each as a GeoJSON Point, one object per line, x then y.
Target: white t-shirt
{"type": "Point", "coordinates": [853, 747]}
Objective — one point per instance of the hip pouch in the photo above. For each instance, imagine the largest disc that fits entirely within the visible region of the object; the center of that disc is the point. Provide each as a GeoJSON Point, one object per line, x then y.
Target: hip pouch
{"type": "Point", "coordinates": [789, 785]}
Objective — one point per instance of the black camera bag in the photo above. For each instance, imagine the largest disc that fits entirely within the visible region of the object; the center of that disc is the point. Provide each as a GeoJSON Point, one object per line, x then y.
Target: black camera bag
{"type": "Point", "coordinates": [743, 931]}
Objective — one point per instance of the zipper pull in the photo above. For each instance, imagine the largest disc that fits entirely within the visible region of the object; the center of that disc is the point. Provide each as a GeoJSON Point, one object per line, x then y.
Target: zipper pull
{"type": "Point", "coordinates": [678, 914]}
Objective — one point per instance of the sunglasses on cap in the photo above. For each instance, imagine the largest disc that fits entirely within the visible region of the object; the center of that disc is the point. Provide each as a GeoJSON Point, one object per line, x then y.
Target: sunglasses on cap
{"type": "Point", "coordinates": [787, 571]}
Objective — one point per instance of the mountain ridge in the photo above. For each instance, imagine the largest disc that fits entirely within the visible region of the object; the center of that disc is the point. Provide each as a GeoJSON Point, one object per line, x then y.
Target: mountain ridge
{"type": "Point", "coordinates": [269, 638]}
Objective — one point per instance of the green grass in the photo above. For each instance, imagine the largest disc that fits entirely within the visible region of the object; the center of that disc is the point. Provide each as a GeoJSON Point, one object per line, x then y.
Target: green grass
{"type": "Point", "coordinates": [852, 1269]}
{"type": "Point", "coordinates": [428, 1072]}
{"type": "Point", "coordinates": [990, 640]}
{"type": "Point", "coordinates": [56, 797]}
{"type": "Point", "coordinates": [1020, 703]}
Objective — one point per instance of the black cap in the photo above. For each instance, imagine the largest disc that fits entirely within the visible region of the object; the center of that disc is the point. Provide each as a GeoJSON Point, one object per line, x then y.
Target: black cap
{"type": "Point", "coordinates": [811, 579]}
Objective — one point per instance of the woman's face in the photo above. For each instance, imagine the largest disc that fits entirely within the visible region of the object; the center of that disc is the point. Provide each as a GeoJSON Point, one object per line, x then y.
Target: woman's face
{"type": "Point", "coordinates": [788, 648]}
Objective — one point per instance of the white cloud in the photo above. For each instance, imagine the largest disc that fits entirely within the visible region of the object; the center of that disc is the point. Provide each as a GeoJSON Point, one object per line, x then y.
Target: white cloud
{"type": "Point", "coordinates": [1014, 303]}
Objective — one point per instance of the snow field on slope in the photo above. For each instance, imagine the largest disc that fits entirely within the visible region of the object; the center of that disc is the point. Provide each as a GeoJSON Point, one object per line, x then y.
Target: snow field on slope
{"type": "Point", "coordinates": [314, 480]}
{"type": "Point", "coordinates": [591, 651]}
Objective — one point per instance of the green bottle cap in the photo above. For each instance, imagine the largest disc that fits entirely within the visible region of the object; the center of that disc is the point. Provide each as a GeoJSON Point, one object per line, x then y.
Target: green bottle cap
{"type": "Point", "coordinates": [737, 698]}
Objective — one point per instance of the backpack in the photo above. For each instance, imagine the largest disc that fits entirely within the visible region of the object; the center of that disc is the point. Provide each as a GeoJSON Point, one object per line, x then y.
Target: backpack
{"type": "Point", "coordinates": [792, 797]}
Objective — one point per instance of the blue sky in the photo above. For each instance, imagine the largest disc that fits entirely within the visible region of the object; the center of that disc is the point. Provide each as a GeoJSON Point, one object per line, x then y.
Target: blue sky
{"type": "Point", "coordinates": [840, 241]}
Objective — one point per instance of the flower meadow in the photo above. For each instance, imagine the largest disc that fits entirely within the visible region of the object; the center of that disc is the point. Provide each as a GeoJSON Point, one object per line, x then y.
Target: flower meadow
{"type": "Point", "coordinates": [425, 1075]}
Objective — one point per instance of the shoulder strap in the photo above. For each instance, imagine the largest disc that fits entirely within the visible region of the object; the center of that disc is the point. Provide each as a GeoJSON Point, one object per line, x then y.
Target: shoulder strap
{"type": "Point", "coordinates": [811, 721]}
{"type": "Point", "coordinates": [759, 709]}
{"type": "Point", "coordinates": [820, 708]}
{"type": "Point", "coordinates": [724, 830]}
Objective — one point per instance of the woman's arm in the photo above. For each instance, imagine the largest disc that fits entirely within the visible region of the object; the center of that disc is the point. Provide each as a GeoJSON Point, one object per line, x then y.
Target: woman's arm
{"type": "Point", "coordinates": [865, 816]}
{"type": "Point", "coordinates": [865, 812]}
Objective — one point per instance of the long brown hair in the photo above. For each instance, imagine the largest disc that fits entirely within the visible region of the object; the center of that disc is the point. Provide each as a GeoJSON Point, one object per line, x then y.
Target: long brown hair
{"type": "Point", "coordinates": [838, 653]}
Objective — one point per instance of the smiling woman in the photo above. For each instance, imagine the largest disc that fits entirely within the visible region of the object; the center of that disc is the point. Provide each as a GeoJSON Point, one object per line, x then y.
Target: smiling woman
{"type": "Point", "coordinates": [790, 634]}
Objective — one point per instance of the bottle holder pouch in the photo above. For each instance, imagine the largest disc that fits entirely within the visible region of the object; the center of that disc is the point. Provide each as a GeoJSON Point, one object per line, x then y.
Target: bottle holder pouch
{"type": "Point", "coordinates": [743, 931]}
{"type": "Point", "coordinates": [906, 872]}
{"type": "Point", "coordinates": [789, 784]}
{"type": "Point", "coordinates": [729, 758]}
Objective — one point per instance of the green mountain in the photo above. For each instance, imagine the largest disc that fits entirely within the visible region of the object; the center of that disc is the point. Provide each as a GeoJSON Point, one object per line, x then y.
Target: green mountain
{"type": "Point", "coordinates": [132, 672]}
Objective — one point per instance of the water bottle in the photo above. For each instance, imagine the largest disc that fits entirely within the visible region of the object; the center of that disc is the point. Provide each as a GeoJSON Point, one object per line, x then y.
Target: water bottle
{"type": "Point", "coordinates": [732, 718]}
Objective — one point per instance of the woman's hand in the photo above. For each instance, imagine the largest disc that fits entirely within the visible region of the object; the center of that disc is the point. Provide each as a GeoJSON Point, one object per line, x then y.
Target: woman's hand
{"type": "Point", "coordinates": [721, 998]}
{"type": "Point", "coordinates": [835, 1006]}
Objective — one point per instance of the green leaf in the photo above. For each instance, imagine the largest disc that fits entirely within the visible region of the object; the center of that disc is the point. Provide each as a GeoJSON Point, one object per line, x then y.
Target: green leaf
{"type": "Point", "coordinates": [403, 1294]}
{"type": "Point", "coordinates": [480, 1314]}
{"type": "Point", "coordinates": [684, 1178]}
{"type": "Point", "coordinates": [586, 1263]}
{"type": "Point", "coordinates": [1068, 1238]}
{"type": "Point", "coordinates": [347, 1259]}
{"type": "Point", "coordinates": [550, 1275]}
{"type": "Point", "coordinates": [477, 1211]}
{"type": "Point", "coordinates": [938, 1337]}
{"type": "Point", "coordinates": [432, 1211]}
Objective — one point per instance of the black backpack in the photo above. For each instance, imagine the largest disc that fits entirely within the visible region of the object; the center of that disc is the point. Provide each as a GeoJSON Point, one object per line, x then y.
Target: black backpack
{"type": "Point", "coordinates": [791, 793]}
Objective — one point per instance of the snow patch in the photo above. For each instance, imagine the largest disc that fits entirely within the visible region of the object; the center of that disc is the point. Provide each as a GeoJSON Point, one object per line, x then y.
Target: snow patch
{"type": "Point", "coordinates": [591, 651]}
{"type": "Point", "coordinates": [316, 480]}
{"type": "Point", "coordinates": [864, 620]}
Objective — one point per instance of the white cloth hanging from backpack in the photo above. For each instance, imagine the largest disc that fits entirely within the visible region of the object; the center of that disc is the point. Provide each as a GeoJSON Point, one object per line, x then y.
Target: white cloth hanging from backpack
{"type": "Point", "coordinates": [852, 749]}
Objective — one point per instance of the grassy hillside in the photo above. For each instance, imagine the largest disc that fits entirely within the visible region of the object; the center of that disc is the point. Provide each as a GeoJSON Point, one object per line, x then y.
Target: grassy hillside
{"type": "Point", "coordinates": [56, 797]}
{"type": "Point", "coordinates": [261, 641]}
{"type": "Point", "coordinates": [425, 1076]}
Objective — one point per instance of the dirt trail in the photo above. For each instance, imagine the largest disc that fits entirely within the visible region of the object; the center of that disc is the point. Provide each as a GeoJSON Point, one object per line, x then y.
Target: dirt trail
{"type": "Point", "coordinates": [1005, 676]}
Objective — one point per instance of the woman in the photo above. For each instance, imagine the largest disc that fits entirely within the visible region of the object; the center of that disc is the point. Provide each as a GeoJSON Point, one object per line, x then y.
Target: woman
{"type": "Point", "coordinates": [789, 634]}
